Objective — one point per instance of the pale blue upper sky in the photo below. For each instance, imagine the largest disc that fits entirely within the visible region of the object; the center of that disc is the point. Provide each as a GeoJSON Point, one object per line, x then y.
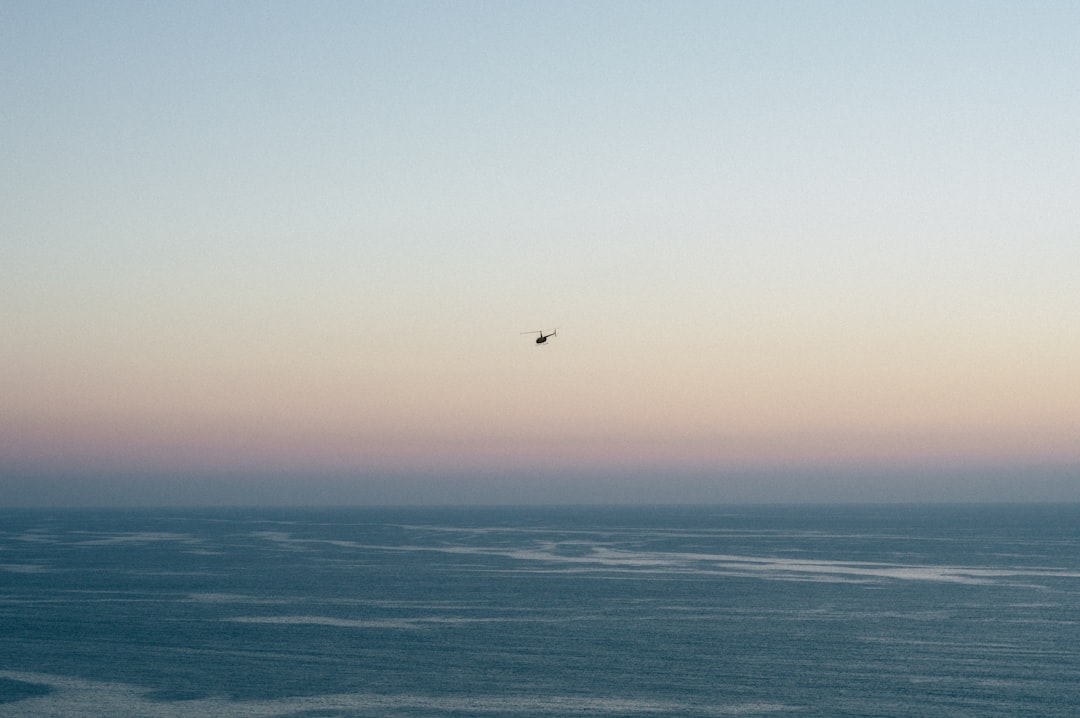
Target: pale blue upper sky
{"type": "Point", "coordinates": [828, 230]}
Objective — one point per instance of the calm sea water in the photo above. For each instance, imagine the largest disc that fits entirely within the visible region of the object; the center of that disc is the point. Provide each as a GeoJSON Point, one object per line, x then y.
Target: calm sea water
{"type": "Point", "coordinates": [709, 611]}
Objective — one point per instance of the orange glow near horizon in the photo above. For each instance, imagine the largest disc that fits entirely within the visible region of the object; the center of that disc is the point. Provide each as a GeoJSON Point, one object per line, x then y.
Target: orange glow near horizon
{"type": "Point", "coordinates": [403, 402]}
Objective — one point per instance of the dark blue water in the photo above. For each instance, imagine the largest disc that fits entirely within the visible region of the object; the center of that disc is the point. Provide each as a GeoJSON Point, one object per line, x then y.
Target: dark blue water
{"type": "Point", "coordinates": [823, 611]}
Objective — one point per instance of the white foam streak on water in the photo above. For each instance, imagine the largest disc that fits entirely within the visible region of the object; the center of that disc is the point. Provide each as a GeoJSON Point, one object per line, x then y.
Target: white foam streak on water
{"type": "Point", "coordinates": [139, 537]}
{"type": "Point", "coordinates": [403, 623]}
{"type": "Point", "coordinates": [35, 537]}
{"type": "Point", "coordinates": [768, 567]}
{"type": "Point", "coordinates": [232, 598]}
{"type": "Point", "coordinates": [71, 697]}
{"type": "Point", "coordinates": [23, 568]}
{"type": "Point", "coordinates": [979, 651]}
{"type": "Point", "coordinates": [951, 574]}
{"type": "Point", "coordinates": [579, 553]}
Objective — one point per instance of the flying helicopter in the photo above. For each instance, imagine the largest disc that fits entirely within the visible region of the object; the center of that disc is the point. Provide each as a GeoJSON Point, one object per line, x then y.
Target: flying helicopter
{"type": "Point", "coordinates": [543, 337]}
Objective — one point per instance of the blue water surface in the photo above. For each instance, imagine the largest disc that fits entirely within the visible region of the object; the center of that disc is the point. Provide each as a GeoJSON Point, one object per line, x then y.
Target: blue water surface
{"type": "Point", "coordinates": [647, 611]}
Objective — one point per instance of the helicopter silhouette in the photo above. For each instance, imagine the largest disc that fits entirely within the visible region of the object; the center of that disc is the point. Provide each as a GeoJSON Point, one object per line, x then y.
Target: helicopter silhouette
{"type": "Point", "coordinates": [543, 337]}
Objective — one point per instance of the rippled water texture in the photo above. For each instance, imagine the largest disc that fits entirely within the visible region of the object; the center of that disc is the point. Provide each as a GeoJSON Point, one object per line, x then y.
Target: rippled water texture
{"type": "Point", "coordinates": [711, 611]}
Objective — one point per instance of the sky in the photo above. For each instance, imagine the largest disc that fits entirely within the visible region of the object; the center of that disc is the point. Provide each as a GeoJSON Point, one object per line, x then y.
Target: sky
{"type": "Point", "coordinates": [283, 252]}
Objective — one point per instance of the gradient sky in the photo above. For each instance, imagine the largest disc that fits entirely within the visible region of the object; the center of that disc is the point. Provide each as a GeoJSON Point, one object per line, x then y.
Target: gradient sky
{"type": "Point", "coordinates": [825, 245]}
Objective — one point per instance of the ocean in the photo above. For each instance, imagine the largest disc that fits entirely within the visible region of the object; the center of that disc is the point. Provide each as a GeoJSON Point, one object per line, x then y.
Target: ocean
{"type": "Point", "coordinates": [542, 612]}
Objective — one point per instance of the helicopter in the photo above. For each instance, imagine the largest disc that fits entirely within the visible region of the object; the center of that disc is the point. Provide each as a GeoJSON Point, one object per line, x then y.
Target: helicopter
{"type": "Point", "coordinates": [543, 337]}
